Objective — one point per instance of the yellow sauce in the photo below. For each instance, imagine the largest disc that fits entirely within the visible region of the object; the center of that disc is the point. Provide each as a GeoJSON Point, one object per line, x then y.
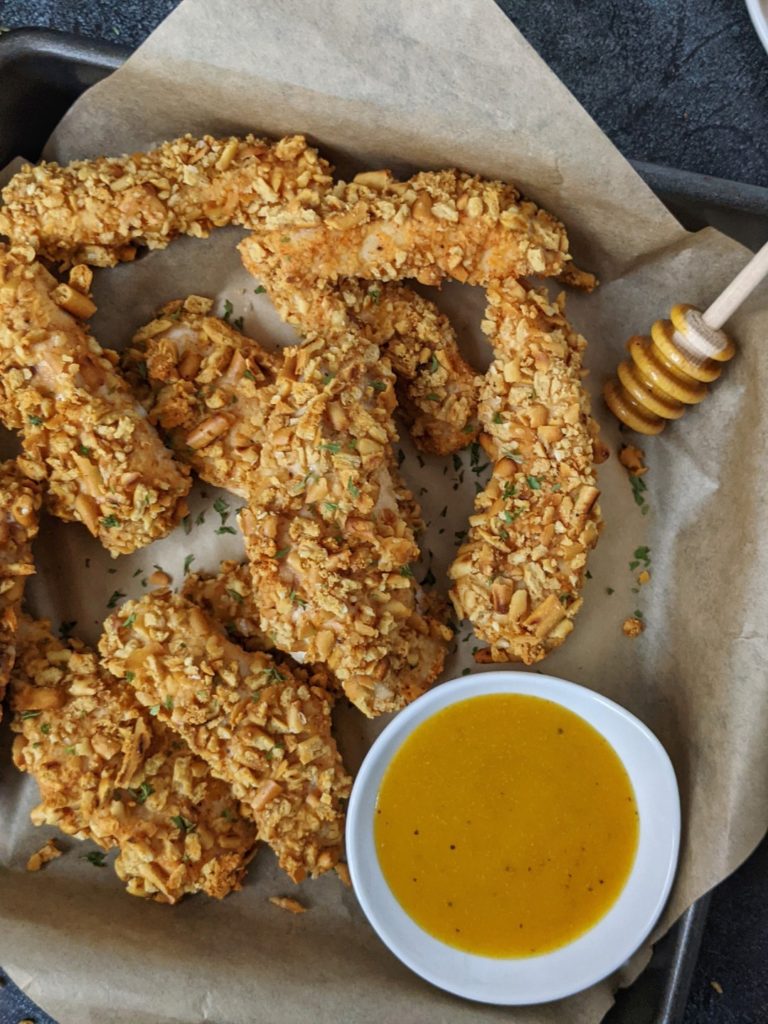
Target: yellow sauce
{"type": "Point", "coordinates": [506, 826]}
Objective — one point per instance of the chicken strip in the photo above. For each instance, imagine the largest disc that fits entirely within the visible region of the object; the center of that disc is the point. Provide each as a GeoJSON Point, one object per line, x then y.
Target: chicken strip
{"type": "Point", "coordinates": [331, 551]}
{"type": "Point", "coordinates": [19, 509]}
{"type": "Point", "coordinates": [81, 427]}
{"type": "Point", "coordinates": [210, 390]}
{"type": "Point", "coordinates": [98, 211]}
{"type": "Point", "coordinates": [207, 387]}
{"type": "Point", "coordinates": [518, 575]}
{"type": "Point", "coordinates": [111, 772]}
{"type": "Point", "coordinates": [438, 224]}
{"type": "Point", "coordinates": [259, 728]}
{"type": "Point", "coordinates": [437, 390]}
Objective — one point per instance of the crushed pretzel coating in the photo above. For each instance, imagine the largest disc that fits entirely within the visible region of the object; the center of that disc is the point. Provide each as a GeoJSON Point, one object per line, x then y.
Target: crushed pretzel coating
{"type": "Point", "coordinates": [632, 627]}
{"type": "Point", "coordinates": [99, 211]}
{"type": "Point", "coordinates": [207, 387]}
{"type": "Point", "coordinates": [286, 903]}
{"type": "Point", "coordinates": [109, 771]}
{"type": "Point", "coordinates": [436, 224]}
{"type": "Point", "coordinates": [437, 390]}
{"type": "Point", "coordinates": [633, 460]}
{"type": "Point", "coordinates": [48, 852]}
{"type": "Point", "coordinates": [330, 547]}
{"type": "Point", "coordinates": [82, 429]}
{"type": "Point", "coordinates": [259, 727]}
{"type": "Point", "coordinates": [519, 573]}
{"type": "Point", "coordinates": [19, 509]}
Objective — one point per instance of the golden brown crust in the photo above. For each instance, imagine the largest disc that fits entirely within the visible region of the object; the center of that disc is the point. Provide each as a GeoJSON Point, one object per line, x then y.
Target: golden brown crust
{"type": "Point", "coordinates": [98, 211]}
{"type": "Point", "coordinates": [207, 387]}
{"type": "Point", "coordinates": [437, 224]}
{"type": "Point", "coordinates": [260, 728]}
{"type": "Point", "coordinates": [331, 551]}
{"type": "Point", "coordinates": [111, 772]}
{"type": "Point", "coordinates": [518, 575]}
{"type": "Point", "coordinates": [437, 390]}
{"type": "Point", "coordinates": [81, 427]}
{"type": "Point", "coordinates": [20, 500]}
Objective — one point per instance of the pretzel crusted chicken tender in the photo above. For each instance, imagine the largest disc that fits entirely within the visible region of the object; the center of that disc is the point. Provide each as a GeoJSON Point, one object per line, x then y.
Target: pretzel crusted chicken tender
{"type": "Point", "coordinates": [438, 224]}
{"type": "Point", "coordinates": [519, 574]}
{"type": "Point", "coordinates": [109, 771]}
{"type": "Point", "coordinates": [436, 388]}
{"type": "Point", "coordinates": [207, 387]}
{"type": "Point", "coordinates": [262, 730]}
{"type": "Point", "coordinates": [98, 211]}
{"type": "Point", "coordinates": [19, 510]}
{"type": "Point", "coordinates": [81, 427]}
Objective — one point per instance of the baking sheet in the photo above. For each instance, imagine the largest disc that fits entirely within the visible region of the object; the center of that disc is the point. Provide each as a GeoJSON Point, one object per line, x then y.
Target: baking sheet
{"type": "Point", "coordinates": [699, 687]}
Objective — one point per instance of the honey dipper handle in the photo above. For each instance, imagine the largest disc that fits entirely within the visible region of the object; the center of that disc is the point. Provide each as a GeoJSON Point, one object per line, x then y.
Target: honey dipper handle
{"type": "Point", "coordinates": [745, 282]}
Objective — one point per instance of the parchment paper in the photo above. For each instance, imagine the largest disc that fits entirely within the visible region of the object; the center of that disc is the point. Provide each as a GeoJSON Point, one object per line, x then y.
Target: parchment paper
{"type": "Point", "coordinates": [414, 86]}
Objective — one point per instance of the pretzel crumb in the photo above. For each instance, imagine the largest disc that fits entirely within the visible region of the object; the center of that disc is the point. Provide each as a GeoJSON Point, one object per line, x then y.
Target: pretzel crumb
{"type": "Point", "coordinates": [632, 627]}
{"type": "Point", "coordinates": [286, 903]}
{"type": "Point", "coordinates": [50, 851]}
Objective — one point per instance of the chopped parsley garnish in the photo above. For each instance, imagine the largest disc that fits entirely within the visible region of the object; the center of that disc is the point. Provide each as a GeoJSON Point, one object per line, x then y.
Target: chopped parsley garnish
{"type": "Point", "coordinates": [187, 563]}
{"type": "Point", "coordinates": [406, 570]}
{"type": "Point", "coordinates": [140, 795]}
{"type": "Point", "coordinates": [282, 552]}
{"type": "Point", "coordinates": [638, 614]}
{"type": "Point", "coordinates": [70, 750]}
{"type": "Point", "coordinates": [469, 428]}
{"type": "Point", "coordinates": [429, 580]}
{"type": "Point", "coordinates": [457, 464]}
{"type": "Point", "coordinates": [30, 714]}
{"type": "Point", "coordinates": [83, 449]}
{"type": "Point", "coordinates": [332, 446]}
{"type": "Point", "coordinates": [432, 397]}
{"type": "Point", "coordinates": [273, 675]}
{"type": "Point", "coordinates": [116, 595]}
{"type": "Point", "coordinates": [509, 491]}
{"type": "Point", "coordinates": [327, 377]}
{"type": "Point", "coordinates": [512, 453]}
{"type": "Point", "coordinates": [331, 506]}
{"type": "Point", "coordinates": [65, 629]}
{"type": "Point", "coordinates": [534, 483]}
{"type": "Point", "coordinates": [45, 728]}
{"type": "Point", "coordinates": [378, 385]}
{"type": "Point", "coordinates": [434, 364]}
{"type": "Point", "coordinates": [260, 290]}
{"type": "Point", "coordinates": [639, 487]}
{"type": "Point", "coordinates": [130, 621]}
{"type": "Point", "coordinates": [154, 710]}
{"type": "Point", "coordinates": [95, 857]}
{"type": "Point", "coordinates": [507, 516]}
{"type": "Point", "coordinates": [228, 310]}
{"type": "Point", "coordinates": [375, 294]}
{"type": "Point", "coordinates": [238, 323]}
{"type": "Point", "coordinates": [168, 703]}
{"type": "Point", "coordinates": [186, 522]}
{"type": "Point", "coordinates": [130, 676]}
{"type": "Point", "coordinates": [109, 522]}
{"type": "Point", "coordinates": [610, 590]}
{"type": "Point", "coordinates": [235, 595]}
{"type": "Point", "coordinates": [249, 375]}
{"type": "Point", "coordinates": [353, 489]}
{"type": "Point", "coordinates": [36, 421]}
{"type": "Point", "coordinates": [226, 529]}
{"type": "Point", "coordinates": [297, 600]}
{"type": "Point", "coordinates": [498, 418]}
{"type": "Point", "coordinates": [182, 823]}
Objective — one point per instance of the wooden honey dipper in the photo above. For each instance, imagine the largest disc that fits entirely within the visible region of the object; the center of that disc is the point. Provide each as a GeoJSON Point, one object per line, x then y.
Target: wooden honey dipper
{"type": "Point", "coordinates": [671, 368]}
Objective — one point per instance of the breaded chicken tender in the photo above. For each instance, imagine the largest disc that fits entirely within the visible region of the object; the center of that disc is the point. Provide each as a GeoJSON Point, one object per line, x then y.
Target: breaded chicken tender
{"type": "Point", "coordinates": [331, 551]}
{"type": "Point", "coordinates": [82, 429]}
{"type": "Point", "coordinates": [437, 390]}
{"type": "Point", "coordinates": [207, 387]}
{"type": "Point", "coordinates": [259, 728]}
{"type": "Point", "coordinates": [518, 576]}
{"type": "Point", "coordinates": [19, 510]}
{"type": "Point", "coordinates": [99, 211]}
{"type": "Point", "coordinates": [437, 224]}
{"type": "Point", "coordinates": [110, 771]}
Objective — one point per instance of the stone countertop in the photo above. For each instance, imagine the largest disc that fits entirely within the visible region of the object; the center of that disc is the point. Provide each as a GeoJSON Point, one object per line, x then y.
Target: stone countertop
{"type": "Point", "coordinates": [676, 82]}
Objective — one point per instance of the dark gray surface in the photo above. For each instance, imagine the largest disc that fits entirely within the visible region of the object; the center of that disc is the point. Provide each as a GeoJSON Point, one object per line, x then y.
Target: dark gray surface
{"type": "Point", "coordinates": [683, 83]}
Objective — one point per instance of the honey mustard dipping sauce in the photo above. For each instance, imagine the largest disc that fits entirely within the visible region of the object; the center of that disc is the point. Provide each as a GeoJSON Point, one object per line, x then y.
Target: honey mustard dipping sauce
{"type": "Point", "coordinates": [506, 826]}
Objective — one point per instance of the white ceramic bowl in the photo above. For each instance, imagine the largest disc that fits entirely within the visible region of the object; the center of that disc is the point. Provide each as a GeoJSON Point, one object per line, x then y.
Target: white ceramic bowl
{"type": "Point", "coordinates": [599, 951]}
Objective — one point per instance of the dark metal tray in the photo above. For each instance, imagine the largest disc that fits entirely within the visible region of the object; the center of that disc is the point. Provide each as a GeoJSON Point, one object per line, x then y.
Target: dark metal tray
{"type": "Point", "coordinates": [42, 73]}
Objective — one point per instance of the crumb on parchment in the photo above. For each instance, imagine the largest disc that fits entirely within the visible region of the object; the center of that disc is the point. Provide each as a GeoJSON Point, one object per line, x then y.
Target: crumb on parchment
{"type": "Point", "coordinates": [50, 851]}
{"type": "Point", "coordinates": [632, 627]}
{"type": "Point", "coordinates": [717, 987]}
{"type": "Point", "coordinates": [286, 903]}
{"type": "Point", "coordinates": [633, 459]}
